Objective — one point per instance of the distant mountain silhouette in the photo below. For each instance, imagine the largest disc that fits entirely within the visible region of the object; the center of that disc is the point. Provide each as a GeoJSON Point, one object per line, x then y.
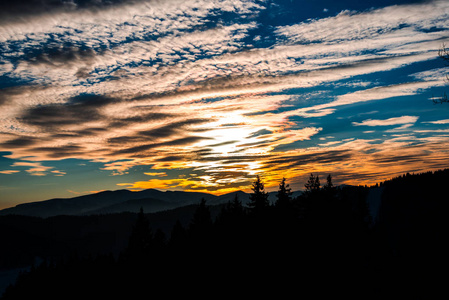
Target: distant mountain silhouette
{"type": "Point", "coordinates": [106, 202]}
{"type": "Point", "coordinates": [71, 206]}
{"type": "Point", "coordinates": [119, 201]}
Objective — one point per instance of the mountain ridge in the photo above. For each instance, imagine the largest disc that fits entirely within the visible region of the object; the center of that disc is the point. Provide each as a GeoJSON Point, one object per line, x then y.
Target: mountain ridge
{"type": "Point", "coordinates": [84, 205]}
{"type": "Point", "coordinates": [151, 200]}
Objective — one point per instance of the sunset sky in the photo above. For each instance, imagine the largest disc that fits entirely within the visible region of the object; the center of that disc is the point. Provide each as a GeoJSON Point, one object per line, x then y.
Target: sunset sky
{"type": "Point", "coordinates": [203, 95]}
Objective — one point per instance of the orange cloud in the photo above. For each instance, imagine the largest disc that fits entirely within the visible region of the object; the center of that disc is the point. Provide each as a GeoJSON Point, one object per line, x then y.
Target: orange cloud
{"type": "Point", "coordinates": [9, 172]}
{"type": "Point", "coordinates": [153, 184]}
{"type": "Point", "coordinates": [36, 168]}
{"type": "Point", "coordinates": [158, 174]}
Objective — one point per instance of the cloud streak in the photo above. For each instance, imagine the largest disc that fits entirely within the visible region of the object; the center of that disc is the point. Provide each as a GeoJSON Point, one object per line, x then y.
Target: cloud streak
{"type": "Point", "coordinates": [388, 122]}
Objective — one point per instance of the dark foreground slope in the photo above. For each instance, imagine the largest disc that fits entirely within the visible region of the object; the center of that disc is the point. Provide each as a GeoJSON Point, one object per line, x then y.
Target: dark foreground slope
{"type": "Point", "coordinates": [321, 244]}
{"type": "Point", "coordinates": [26, 239]}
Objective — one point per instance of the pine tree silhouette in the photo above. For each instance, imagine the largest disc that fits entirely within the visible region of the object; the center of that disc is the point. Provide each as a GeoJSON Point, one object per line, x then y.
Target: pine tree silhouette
{"type": "Point", "coordinates": [237, 209]}
{"type": "Point", "coordinates": [313, 184]}
{"type": "Point", "coordinates": [284, 196]}
{"type": "Point", "coordinates": [329, 185]}
{"type": "Point", "coordinates": [329, 190]}
{"type": "Point", "coordinates": [201, 224]}
{"type": "Point", "coordinates": [259, 198]}
{"type": "Point", "coordinates": [140, 239]}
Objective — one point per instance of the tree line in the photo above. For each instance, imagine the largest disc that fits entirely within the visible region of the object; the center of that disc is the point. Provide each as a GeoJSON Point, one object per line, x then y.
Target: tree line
{"type": "Point", "coordinates": [325, 236]}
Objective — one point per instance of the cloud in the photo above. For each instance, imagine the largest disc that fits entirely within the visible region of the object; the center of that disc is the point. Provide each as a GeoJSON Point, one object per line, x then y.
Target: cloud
{"type": "Point", "coordinates": [24, 8]}
{"type": "Point", "coordinates": [445, 121]}
{"type": "Point", "coordinates": [138, 58]}
{"type": "Point", "coordinates": [73, 192]}
{"type": "Point", "coordinates": [179, 54]}
{"type": "Point", "coordinates": [78, 110]}
{"type": "Point", "coordinates": [314, 157]}
{"type": "Point", "coordinates": [142, 150]}
{"type": "Point", "coordinates": [371, 94]}
{"type": "Point", "coordinates": [358, 161]}
{"type": "Point", "coordinates": [400, 128]}
{"type": "Point", "coordinates": [225, 183]}
{"type": "Point", "coordinates": [388, 122]}
{"type": "Point", "coordinates": [371, 24]}
{"type": "Point", "coordinates": [20, 142]}
{"type": "Point", "coordinates": [7, 172]}
{"type": "Point", "coordinates": [434, 74]}
{"type": "Point", "coordinates": [171, 129]}
{"type": "Point", "coordinates": [433, 131]}
{"type": "Point", "coordinates": [157, 174]}
{"type": "Point", "coordinates": [162, 184]}
{"type": "Point", "coordinates": [57, 152]}
{"type": "Point", "coordinates": [58, 173]}
{"type": "Point", "coordinates": [37, 169]}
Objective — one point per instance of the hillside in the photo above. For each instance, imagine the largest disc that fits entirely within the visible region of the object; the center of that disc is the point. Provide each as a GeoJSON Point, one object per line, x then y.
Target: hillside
{"type": "Point", "coordinates": [120, 201]}
{"type": "Point", "coordinates": [108, 202]}
{"type": "Point", "coordinates": [384, 227]}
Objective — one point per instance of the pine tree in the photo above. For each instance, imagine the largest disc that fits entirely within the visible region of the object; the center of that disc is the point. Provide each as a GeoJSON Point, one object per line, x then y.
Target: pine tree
{"type": "Point", "coordinates": [231, 213]}
{"type": "Point", "coordinates": [259, 198]}
{"type": "Point", "coordinates": [329, 185]}
{"type": "Point", "coordinates": [284, 195]}
{"type": "Point", "coordinates": [329, 189]}
{"type": "Point", "coordinates": [141, 238]}
{"type": "Point", "coordinates": [236, 207]}
{"type": "Point", "coordinates": [201, 223]}
{"type": "Point", "coordinates": [317, 184]}
{"type": "Point", "coordinates": [313, 184]}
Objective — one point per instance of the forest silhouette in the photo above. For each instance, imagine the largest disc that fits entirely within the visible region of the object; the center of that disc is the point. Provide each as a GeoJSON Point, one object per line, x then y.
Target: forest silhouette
{"type": "Point", "coordinates": [319, 244]}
